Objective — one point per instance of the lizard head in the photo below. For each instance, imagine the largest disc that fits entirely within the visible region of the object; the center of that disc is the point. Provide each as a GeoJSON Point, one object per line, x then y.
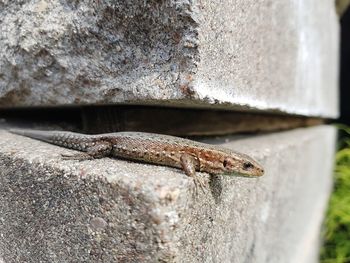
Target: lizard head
{"type": "Point", "coordinates": [240, 164]}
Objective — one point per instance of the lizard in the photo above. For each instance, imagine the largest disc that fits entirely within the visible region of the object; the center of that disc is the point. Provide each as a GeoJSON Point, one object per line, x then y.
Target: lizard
{"type": "Point", "coordinates": [166, 150]}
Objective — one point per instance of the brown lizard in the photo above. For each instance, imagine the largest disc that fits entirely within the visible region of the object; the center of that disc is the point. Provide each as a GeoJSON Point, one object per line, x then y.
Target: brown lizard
{"type": "Point", "coordinates": [191, 156]}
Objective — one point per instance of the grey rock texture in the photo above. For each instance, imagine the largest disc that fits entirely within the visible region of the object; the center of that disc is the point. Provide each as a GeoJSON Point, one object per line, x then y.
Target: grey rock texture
{"type": "Point", "coordinates": [246, 54]}
{"type": "Point", "coordinates": [111, 210]}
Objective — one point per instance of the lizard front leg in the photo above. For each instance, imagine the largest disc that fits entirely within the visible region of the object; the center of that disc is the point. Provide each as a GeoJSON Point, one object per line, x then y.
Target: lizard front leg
{"type": "Point", "coordinates": [188, 163]}
{"type": "Point", "coordinates": [99, 150]}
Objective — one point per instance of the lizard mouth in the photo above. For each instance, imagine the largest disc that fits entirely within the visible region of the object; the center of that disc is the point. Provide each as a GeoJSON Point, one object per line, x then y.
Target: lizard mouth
{"type": "Point", "coordinates": [258, 172]}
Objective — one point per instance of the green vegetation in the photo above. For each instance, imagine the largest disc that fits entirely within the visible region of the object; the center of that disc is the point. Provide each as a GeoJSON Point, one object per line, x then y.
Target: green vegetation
{"type": "Point", "coordinates": [337, 225]}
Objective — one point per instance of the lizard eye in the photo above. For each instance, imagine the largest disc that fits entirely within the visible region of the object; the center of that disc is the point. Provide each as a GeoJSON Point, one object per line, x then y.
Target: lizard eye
{"type": "Point", "coordinates": [225, 163]}
{"type": "Point", "coordinates": [247, 166]}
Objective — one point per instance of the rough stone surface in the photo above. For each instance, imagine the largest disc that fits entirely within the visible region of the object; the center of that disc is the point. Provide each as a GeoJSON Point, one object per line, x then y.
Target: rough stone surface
{"type": "Point", "coordinates": [118, 211]}
{"type": "Point", "coordinates": [238, 54]}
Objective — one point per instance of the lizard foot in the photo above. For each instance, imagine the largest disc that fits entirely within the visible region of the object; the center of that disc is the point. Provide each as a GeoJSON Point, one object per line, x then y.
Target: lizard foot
{"type": "Point", "coordinates": [200, 183]}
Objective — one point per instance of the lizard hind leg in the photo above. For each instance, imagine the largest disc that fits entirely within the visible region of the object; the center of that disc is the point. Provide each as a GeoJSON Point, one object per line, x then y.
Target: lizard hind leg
{"type": "Point", "coordinates": [99, 150]}
{"type": "Point", "coordinates": [188, 163]}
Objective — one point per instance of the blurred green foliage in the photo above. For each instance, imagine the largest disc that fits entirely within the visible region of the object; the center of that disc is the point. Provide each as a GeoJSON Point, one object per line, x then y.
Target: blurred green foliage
{"type": "Point", "coordinates": [336, 247]}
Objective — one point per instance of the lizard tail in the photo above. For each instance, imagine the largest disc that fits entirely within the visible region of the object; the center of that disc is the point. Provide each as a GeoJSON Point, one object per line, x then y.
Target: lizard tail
{"type": "Point", "coordinates": [34, 134]}
{"type": "Point", "coordinates": [61, 138]}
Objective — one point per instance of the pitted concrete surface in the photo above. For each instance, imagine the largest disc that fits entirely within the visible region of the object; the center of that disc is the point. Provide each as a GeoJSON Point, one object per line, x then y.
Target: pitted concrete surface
{"type": "Point", "coordinates": [237, 54]}
{"type": "Point", "coordinates": [111, 210]}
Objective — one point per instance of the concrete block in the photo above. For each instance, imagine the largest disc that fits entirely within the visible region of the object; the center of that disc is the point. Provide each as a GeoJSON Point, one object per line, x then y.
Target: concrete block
{"type": "Point", "coordinates": [110, 210]}
{"type": "Point", "coordinates": [237, 54]}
